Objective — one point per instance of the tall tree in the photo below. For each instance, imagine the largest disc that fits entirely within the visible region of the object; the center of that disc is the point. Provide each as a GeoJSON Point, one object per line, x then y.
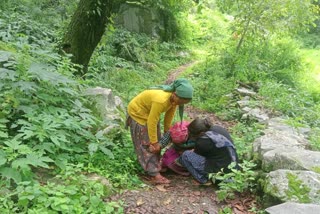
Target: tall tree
{"type": "Point", "coordinates": [259, 19]}
{"type": "Point", "coordinates": [86, 28]}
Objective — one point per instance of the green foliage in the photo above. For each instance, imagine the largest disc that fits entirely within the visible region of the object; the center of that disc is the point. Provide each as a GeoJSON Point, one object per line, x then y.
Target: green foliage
{"type": "Point", "coordinates": [208, 28]}
{"type": "Point", "coordinates": [297, 189]}
{"type": "Point", "coordinates": [14, 27]}
{"type": "Point", "coordinates": [292, 102]}
{"type": "Point", "coordinates": [315, 139]}
{"type": "Point", "coordinates": [70, 192]}
{"type": "Point", "coordinates": [124, 58]}
{"type": "Point", "coordinates": [44, 120]}
{"type": "Point", "coordinates": [255, 49]}
{"type": "Point", "coordinates": [40, 10]}
{"type": "Point", "coordinates": [225, 210]}
{"type": "Point", "coordinates": [122, 169]}
{"type": "Point", "coordinates": [237, 181]}
{"type": "Point", "coordinates": [211, 85]}
{"type": "Point", "coordinates": [310, 41]}
{"type": "Point", "coordinates": [310, 79]}
{"type": "Point", "coordinates": [243, 135]}
{"type": "Point", "coordinates": [259, 20]}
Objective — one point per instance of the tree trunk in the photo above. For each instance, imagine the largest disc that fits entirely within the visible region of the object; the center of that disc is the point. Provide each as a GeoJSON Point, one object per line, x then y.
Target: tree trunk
{"type": "Point", "coordinates": [86, 29]}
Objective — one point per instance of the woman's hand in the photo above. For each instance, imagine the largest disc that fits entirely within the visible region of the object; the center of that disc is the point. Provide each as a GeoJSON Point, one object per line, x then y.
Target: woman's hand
{"type": "Point", "coordinates": [155, 148]}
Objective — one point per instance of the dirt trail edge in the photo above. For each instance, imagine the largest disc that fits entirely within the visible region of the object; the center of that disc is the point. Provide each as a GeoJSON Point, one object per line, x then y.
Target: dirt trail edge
{"type": "Point", "coordinates": [182, 195]}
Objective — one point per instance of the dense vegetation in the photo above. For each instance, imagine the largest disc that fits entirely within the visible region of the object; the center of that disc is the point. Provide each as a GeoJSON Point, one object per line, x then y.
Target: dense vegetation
{"type": "Point", "coordinates": [52, 137]}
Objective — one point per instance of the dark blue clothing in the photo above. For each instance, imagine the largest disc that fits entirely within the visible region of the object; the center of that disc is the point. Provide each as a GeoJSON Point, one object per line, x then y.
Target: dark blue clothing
{"type": "Point", "coordinates": [213, 151]}
{"type": "Point", "coordinates": [217, 147]}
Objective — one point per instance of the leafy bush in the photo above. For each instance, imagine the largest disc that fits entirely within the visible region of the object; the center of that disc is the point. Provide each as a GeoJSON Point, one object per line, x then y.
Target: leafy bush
{"type": "Point", "coordinates": [14, 27]}
{"type": "Point", "coordinates": [70, 192]}
{"type": "Point", "coordinates": [236, 181]}
{"type": "Point", "coordinates": [121, 170]}
{"type": "Point", "coordinates": [43, 118]}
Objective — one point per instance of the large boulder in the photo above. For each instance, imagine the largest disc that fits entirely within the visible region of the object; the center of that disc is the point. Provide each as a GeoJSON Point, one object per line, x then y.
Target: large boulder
{"type": "Point", "coordinates": [275, 140]}
{"type": "Point", "coordinates": [291, 158]}
{"type": "Point", "coordinates": [294, 208]}
{"type": "Point", "coordinates": [293, 186]}
{"type": "Point", "coordinates": [140, 19]}
{"type": "Point", "coordinates": [108, 105]}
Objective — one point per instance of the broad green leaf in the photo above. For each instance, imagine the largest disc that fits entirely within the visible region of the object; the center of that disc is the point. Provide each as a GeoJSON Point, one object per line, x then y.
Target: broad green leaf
{"type": "Point", "coordinates": [99, 134]}
{"type": "Point", "coordinates": [93, 147]}
{"type": "Point", "coordinates": [21, 163]}
{"type": "Point", "coordinates": [13, 144]}
{"type": "Point", "coordinates": [7, 74]}
{"type": "Point", "coordinates": [3, 160]}
{"type": "Point", "coordinates": [106, 151]}
{"type": "Point", "coordinates": [5, 56]}
{"type": "Point", "coordinates": [3, 120]}
{"type": "Point", "coordinates": [10, 173]}
{"type": "Point", "coordinates": [44, 147]}
{"type": "Point", "coordinates": [95, 201]}
{"type": "Point", "coordinates": [3, 134]}
{"type": "Point", "coordinates": [36, 160]}
{"type": "Point", "coordinates": [45, 72]}
{"type": "Point", "coordinates": [55, 140]}
{"type": "Point", "coordinates": [26, 86]}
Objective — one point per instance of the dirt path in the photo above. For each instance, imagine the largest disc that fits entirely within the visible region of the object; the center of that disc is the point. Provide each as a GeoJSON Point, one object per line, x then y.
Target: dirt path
{"type": "Point", "coordinates": [182, 195]}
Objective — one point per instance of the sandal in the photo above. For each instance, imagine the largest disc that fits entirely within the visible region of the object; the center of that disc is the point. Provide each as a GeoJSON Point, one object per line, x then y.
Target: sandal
{"type": "Point", "coordinates": [159, 179]}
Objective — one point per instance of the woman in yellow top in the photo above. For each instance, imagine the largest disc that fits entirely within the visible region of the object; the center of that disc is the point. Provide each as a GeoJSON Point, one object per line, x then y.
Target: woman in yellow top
{"type": "Point", "coordinates": [144, 112]}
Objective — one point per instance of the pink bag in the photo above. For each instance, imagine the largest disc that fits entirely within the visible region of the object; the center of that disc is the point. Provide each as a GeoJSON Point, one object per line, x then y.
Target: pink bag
{"type": "Point", "coordinates": [179, 132]}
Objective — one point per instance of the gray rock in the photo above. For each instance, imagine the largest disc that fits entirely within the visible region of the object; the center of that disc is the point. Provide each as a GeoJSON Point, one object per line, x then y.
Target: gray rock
{"type": "Point", "coordinates": [140, 19]}
{"type": "Point", "coordinates": [279, 124]}
{"type": "Point", "coordinates": [109, 106]}
{"type": "Point", "coordinates": [273, 140]}
{"type": "Point", "coordinates": [255, 113]}
{"type": "Point", "coordinates": [294, 208]}
{"type": "Point", "coordinates": [245, 91]}
{"type": "Point", "coordinates": [293, 186]}
{"type": "Point", "coordinates": [291, 158]}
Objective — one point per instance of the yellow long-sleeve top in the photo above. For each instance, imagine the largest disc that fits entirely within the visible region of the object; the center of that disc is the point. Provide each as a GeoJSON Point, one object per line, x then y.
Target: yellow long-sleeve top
{"type": "Point", "coordinates": [147, 107]}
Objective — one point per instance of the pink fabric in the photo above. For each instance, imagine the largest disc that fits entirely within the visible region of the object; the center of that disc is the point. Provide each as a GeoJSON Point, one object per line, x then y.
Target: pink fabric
{"type": "Point", "coordinates": [179, 132]}
{"type": "Point", "coordinates": [168, 160]}
{"type": "Point", "coordinates": [169, 157]}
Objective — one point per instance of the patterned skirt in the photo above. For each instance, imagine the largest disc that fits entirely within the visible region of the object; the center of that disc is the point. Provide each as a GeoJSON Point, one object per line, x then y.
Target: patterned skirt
{"type": "Point", "coordinates": [150, 162]}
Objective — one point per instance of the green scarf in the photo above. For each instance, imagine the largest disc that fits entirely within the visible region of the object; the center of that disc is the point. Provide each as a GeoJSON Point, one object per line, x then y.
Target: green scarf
{"type": "Point", "coordinates": [182, 88]}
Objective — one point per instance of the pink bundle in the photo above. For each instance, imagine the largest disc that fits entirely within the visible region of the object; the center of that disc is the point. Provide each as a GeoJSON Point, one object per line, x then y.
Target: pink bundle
{"type": "Point", "coordinates": [179, 132]}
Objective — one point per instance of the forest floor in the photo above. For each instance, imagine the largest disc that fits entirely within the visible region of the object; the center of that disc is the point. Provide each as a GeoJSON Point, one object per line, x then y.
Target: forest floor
{"type": "Point", "coordinates": [183, 195]}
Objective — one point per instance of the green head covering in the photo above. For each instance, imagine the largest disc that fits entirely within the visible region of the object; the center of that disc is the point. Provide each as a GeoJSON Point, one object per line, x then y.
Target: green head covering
{"type": "Point", "coordinates": [182, 88]}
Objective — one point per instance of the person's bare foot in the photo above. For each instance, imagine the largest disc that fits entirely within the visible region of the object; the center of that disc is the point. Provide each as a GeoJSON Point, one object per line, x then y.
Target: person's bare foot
{"type": "Point", "coordinates": [159, 179]}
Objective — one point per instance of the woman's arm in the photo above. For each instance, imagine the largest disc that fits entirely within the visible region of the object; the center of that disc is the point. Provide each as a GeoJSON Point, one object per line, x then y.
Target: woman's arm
{"type": "Point", "coordinates": [152, 122]}
{"type": "Point", "coordinates": [168, 117]}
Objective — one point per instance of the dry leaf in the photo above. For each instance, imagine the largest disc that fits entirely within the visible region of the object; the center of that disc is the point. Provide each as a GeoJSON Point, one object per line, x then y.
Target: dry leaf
{"type": "Point", "coordinates": [168, 201]}
{"type": "Point", "coordinates": [140, 202]}
{"type": "Point", "coordinates": [239, 207]}
{"type": "Point", "coordinates": [197, 193]}
{"type": "Point", "coordinates": [161, 188]}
